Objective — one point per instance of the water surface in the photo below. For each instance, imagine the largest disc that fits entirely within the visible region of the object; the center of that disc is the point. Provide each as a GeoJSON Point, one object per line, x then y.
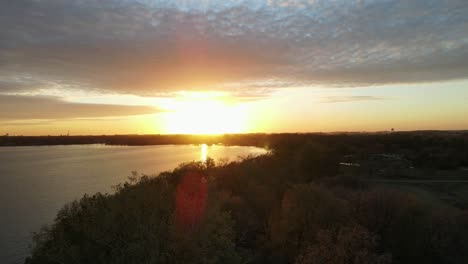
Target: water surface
{"type": "Point", "coordinates": [37, 181]}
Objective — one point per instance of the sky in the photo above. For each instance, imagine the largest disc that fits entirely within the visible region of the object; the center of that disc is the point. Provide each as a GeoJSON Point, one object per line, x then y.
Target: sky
{"type": "Point", "coordinates": [97, 67]}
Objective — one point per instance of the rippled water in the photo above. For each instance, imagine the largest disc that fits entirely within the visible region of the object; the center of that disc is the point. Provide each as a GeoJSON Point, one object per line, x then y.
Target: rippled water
{"type": "Point", "coordinates": [37, 181]}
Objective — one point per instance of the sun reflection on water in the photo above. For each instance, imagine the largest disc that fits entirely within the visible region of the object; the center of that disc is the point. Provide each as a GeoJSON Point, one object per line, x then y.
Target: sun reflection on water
{"type": "Point", "coordinates": [204, 152]}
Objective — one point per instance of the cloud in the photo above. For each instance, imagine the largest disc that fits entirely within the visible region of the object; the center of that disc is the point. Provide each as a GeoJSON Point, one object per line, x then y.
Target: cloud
{"type": "Point", "coordinates": [18, 85]}
{"type": "Point", "coordinates": [352, 98]}
{"type": "Point", "coordinates": [149, 47]}
{"type": "Point", "coordinates": [19, 123]}
{"type": "Point", "coordinates": [38, 107]}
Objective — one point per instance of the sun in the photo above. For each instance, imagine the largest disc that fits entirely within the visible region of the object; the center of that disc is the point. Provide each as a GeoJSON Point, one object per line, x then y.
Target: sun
{"type": "Point", "coordinates": [208, 115]}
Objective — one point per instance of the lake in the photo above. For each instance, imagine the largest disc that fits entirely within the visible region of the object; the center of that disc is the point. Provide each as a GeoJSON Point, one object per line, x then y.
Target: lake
{"type": "Point", "coordinates": [35, 182]}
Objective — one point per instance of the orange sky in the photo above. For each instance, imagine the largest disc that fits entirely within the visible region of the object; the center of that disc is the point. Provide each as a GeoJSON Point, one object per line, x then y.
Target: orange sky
{"type": "Point", "coordinates": [137, 66]}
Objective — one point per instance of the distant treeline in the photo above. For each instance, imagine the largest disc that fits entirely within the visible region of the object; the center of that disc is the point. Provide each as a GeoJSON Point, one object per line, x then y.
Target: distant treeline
{"type": "Point", "coordinates": [134, 140]}
{"type": "Point", "coordinates": [437, 149]}
{"type": "Point", "coordinates": [290, 206]}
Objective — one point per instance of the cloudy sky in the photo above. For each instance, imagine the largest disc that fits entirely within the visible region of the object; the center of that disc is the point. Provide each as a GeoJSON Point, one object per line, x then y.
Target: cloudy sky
{"type": "Point", "coordinates": [123, 66]}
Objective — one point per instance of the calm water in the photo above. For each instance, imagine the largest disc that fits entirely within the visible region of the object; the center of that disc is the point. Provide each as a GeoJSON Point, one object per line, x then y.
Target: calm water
{"type": "Point", "coordinates": [37, 181]}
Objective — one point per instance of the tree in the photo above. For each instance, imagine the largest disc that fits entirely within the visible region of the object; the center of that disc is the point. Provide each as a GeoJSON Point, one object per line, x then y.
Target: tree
{"type": "Point", "coordinates": [316, 160]}
{"type": "Point", "coordinates": [304, 210]}
{"type": "Point", "coordinates": [345, 245]}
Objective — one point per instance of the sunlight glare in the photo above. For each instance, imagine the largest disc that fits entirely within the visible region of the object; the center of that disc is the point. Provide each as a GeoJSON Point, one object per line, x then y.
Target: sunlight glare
{"type": "Point", "coordinates": [205, 115]}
